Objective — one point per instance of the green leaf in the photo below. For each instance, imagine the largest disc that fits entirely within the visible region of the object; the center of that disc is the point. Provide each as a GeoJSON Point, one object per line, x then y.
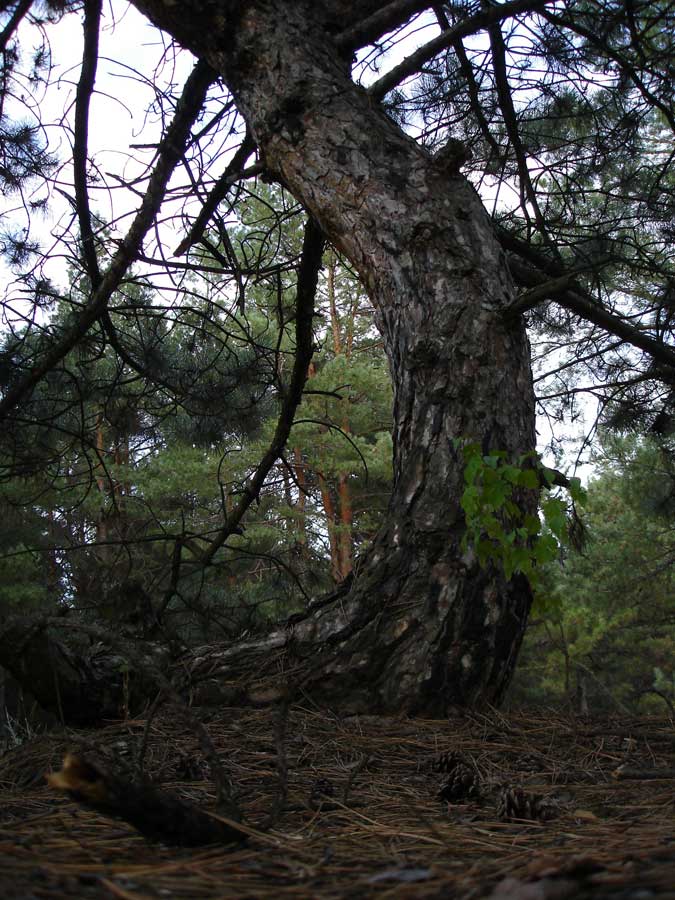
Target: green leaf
{"type": "Point", "coordinates": [529, 478]}
{"type": "Point", "coordinates": [532, 524]}
{"type": "Point", "coordinates": [577, 493]}
{"type": "Point", "coordinates": [545, 549]}
{"type": "Point", "coordinates": [555, 517]}
{"type": "Point", "coordinates": [497, 527]}
{"type": "Point", "coordinates": [494, 494]}
{"type": "Point", "coordinates": [470, 500]}
{"type": "Point", "coordinates": [472, 468]}
{"type": "Point", "coordinates": [549, 475]}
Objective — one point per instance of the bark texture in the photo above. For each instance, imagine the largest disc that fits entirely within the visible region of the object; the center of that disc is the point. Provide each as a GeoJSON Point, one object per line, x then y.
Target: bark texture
{"type": "Point", "coordinates": [81, 680]}
{"type": "Point", "coordinates": [423, 626]}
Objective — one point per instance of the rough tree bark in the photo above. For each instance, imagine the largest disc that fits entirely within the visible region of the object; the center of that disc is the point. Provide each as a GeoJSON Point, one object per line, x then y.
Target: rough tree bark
{"type": "Point", "coordinates": [422, 626]}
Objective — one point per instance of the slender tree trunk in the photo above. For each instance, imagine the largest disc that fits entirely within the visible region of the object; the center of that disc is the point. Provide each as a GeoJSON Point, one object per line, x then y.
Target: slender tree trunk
{"type": "Point", "coordinates": [301, 522]}
{"type": "Point", "coordinates": [331, 527]}
{"type": "Point", "coordinates": [345, 536]}
{"type": "Point", "coordinates": [101, 482]}
{"type": "Point", "coordinates": [344, 500]}
{"type": "Point", "coordinates": [334, 318]}
{"type": "Point", "coordinates": [332, 506]}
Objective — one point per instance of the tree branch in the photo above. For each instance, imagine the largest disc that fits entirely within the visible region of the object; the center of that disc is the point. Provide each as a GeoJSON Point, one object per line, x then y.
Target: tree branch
{"type": "Point", "coordinates": [7, 32]}
{"type": "Point", "coordinates": [597, 40]}
{"type": "Point", "coordinates": [550, 282]}
{"type": "Point", "coordinates": [308, 274]}
{"type": "Point", "coordinates": [480, 21]}
{"type": "Point", "coordinates": [547, 289]}
{"type": "Point", "coordinates": [85, 88]}
{"type": "Point", "coordinates": [158, 814]}
{"type": "Point", "coordinates": [467, 71]}
{"type": "Point", "coordinates": [170, 151]}
{"type": "Point", "coordinates": [378, 23]}
{"type": "Point", "coordinates": [498, 50]}
{"type": "Point", "coordinates": [218, 193]}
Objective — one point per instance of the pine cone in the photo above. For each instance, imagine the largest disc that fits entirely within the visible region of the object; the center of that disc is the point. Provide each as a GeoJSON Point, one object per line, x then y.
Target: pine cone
{"type": "Point", "coordinates": [192, 768]}
{"type": "Point", "coordinates": [462, 784]}
{"type": "Point", "coordinates": [447, 761]}
{"type": "Point", "coordinates": [515, 803]}
{"type": "Point", "coordinates": [322, 790]}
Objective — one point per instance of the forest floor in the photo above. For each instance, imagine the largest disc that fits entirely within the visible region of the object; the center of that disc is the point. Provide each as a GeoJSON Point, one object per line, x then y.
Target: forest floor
{"type": "Point", "coordinates": [542, 807]}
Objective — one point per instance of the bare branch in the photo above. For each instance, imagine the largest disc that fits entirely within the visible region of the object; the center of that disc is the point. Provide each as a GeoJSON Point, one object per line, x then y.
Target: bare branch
{"type": "Point", "coordinates": [374, 26]}
{"type": "Point", "coordinates": [13, 23]}
{"type": "Point", "coordinates": [549, 289]}
{"type": "Point", "coordinates": [218, 193]}
{"type": "Point", "coordinates": [85, 88]}
{"type": "Point", "coordinates": [480, 21]}
{"type": "Point", "coordinates": [308, 273]}
{"type": "Point", "coordinates": [558, 289]}
{"type": "Point", "coordinates": [170, 151]}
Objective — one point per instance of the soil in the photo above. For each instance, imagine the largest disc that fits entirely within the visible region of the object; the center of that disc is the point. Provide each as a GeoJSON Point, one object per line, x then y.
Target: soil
{"type": "Point", "coordinates": [533, 806]}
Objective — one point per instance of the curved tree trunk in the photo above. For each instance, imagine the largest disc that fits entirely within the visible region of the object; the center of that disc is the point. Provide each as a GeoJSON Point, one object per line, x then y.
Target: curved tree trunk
{"type": "Point", "coordinates": [423, 626]}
